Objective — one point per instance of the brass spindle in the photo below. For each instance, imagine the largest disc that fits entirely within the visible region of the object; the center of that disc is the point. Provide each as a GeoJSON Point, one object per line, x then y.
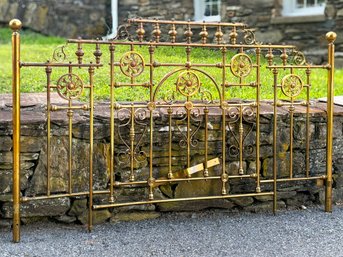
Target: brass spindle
{"type": "Point", "coordinates": [275, 72]}
{"type": "Point", "coordinates": [15, 26]}
{"type": "Point", "coordinates": [91, 146]}
{"type": "Point", "coordinates": [307, 155]}
{"type": "Point", "coordinates": [233, 35]}
{"type": "Point", "coordinates": [206, 141]}
{"type": "Point", "coordinates": [219, 35]}
{"type": "Point", "coordinates": [132, 140]}
{"type": "Point", "coordinates": [224, 175]}
{"type": "Point", "coordinates": [291, 133]}
{"type": "Point", "coordinates": [330, 37]}
{"type": "Point", "coordinates": [172, 33]}
{"type": "Point", "coordinates": [170, 111]}
{"type": "Point", "coordinates": [284, 57]}
{"type": "Point", "coordinates": [188, 34]}
{"type": "Point", "coordinates": [140, 32]}
{"type": "Point", "coordinates": [157, 32]}
{"type": "Point", "coordinates": [203, 34]}
{"type": "Point", "coordinates": [112, 48]}
{"type": "Point", "coordinates": [270, 56]}
{"type": "Point", "coordinates": [79, 52]}
{"type": "Point", "coordinates": [188, 137]}
{"type": "Point", "coordinates": [240, 131]}
{"type": "Point", "coordinates": [70, 140]}
{"type": "Point", "coordinates": [97, 53]}
{"type": "Point", "coordinates": [48, 71]}
{"type": "Point", "coordinates": [258, 95]}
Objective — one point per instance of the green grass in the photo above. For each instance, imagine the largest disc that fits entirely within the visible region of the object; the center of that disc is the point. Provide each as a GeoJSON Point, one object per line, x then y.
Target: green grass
{"type": "Point", "coordinates": [39, 48]}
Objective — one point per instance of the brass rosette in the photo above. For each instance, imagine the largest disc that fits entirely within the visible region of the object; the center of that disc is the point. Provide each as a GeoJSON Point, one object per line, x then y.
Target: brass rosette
{"type": "Point", "coordinates": [241, 65]}
{"type": "Point", "coordinates": [69, 86]}
{"type": "Point", "coordinates": [132, 64]}
{"type": "Point", "coordinates": [188, 83]}
{"type": "Point", "coordinates": [291, 85]}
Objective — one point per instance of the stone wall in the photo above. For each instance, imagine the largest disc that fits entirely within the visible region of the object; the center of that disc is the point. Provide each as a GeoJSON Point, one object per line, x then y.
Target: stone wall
{"type": "Point", "coordinates": [66, 18]}
{"type": "Point", "coordinates": [33, 164]}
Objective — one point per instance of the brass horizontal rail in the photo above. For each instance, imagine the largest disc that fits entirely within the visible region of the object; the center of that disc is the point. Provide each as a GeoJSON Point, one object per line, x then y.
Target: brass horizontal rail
{"type": "Point", "coordinates": [170, 22]}
{"type": "Point", "coordinates": [157, 181]}
{"type": "Point", "coordinates": [45, 197]}
{"type": "Point", "coordinates": [293, 179]}
{"type": "Point", "coordinates": [214, 45]}
{"type": "Point", "coordinates": [50, 64]}
{"type": "Point", "coordinates": [102, 206]}
{"type": "Point", "coordinates": [305, 66]}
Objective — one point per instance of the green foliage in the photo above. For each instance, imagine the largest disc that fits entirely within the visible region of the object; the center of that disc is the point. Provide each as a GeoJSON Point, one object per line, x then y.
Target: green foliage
{"type": "Point", "coordinates": [39, 48]}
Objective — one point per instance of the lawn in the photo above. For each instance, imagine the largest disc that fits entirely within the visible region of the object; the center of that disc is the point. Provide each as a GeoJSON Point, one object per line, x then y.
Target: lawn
{"type": "Point", "coordinates": [39, 48]}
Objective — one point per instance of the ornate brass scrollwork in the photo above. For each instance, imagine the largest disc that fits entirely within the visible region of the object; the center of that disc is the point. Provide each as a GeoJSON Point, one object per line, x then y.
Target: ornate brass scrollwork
{"type": "Point", "coordinates": [291, 85]}
{"type": "Point", "coordinates": [132, 64]}
{"type": "Point", "coordinates": [241, 65]}
{"type": "Point", "coordinates": [188, 83]}
{"type": "Point", "coordinates": [70, 86]}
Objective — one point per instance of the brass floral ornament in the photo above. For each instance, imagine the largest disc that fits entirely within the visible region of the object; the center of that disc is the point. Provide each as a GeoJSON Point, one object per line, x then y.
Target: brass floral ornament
{"type": "Point", "coordinates": [132, 64]}
{"type": "Point", "coordinates": [291, 85]}
{"type": "Point", "coordinates": [70, 86]}
{"type": "Point", "coordinates": [241, 65]}
{"type": "Point", "coordinates": [188, 83]}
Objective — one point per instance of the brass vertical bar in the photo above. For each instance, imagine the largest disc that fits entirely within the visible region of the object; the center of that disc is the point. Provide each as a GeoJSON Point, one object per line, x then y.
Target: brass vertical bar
{"type": "Point", "coordinates": [275, 72]}
{"type": "Point", "coordinates": [48, 71]}
{"type": "Point", "coordinates": [258, 95]}
{"type": "Point", "coordinates": [240, 131]}
{"type": "Point", "coordinates": [111, 198]}
{"type": "Point", "coordinates": [307, 154]}
{"type": "Point", "coordinates": [132, 140]}
{"type": "Point", "coordinates": [70, 150]}
{"type": "Point", "coordinates": [224, 175]}
{"type": "Point", "coordinates": [15, 26]}
{"type": "Point", "coordinates": [151, 179]}
{"type": "Point", "coordinates": [291, 109]}
{"type": "Point", "coordinates": [331, 37]}
{"type": "Point", "coordinates": [170, 111]}
{"type": "Point", "coordinates": [188, 137]}
{"type": "Point", "coordinates": [91, 145]}
{"type": "Point", "coordinates": [206, 142]}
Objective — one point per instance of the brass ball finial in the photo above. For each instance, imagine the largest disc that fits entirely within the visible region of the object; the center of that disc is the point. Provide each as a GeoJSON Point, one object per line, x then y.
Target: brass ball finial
{"type": "Point", "coordinates": [15, 24]}
{"type": "Point", "coordinates": [331, 36]}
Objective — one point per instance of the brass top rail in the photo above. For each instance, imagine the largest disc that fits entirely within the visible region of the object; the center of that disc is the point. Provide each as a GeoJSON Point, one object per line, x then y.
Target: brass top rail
{"type": "Point", "coordinates": [200, 23]}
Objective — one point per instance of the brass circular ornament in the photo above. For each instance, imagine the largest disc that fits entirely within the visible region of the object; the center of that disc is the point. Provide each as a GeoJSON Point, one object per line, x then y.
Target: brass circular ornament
{"type": "Point", "coordinates": [291, 85]}
{"type": "Point", "coordinates": [188, 83]}
{"type": "Point", "coordinates": [189, 105]}
{"type": "Point", "coordinates": [241, 65]}
{"type": "Point", "coordinates": [132, 64]}
{"type": "Point", "coordinates": [69, 86]}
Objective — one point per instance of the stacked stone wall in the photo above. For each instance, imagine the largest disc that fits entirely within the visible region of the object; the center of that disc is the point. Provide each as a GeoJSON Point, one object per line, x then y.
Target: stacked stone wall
{"type": "Point", "coordinates": [33, 163]}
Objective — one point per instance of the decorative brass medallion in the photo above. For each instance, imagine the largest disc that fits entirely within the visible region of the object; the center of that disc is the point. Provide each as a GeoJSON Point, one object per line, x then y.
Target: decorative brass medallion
{"type": "Point", "coordinates": [291, 85]}
{"type": "Point", "coordinates": [132, 64]}
{"type": "Point", "coordinates": [69, 86]}
{"type": "Point", "coordinates": [188, 83]}
{"type": "Point", "coordinates": [241, 65]}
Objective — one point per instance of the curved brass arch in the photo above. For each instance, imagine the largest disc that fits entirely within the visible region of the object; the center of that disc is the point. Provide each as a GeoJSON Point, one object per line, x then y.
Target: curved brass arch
{"type": "Point", "coordinates": [168, 75]}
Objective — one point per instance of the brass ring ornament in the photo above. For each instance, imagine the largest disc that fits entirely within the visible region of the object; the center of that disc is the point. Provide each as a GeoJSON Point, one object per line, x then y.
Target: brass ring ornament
{"type": "Point", "coordinates": [291, 85]}
{"type": "Point", "coordinates": [241, 65]}
{"type": "Point", "coordinates": [70, 86]}
{"type": "Point", "coordinates": [132, 64]}
{"type": "Point", "coordinates": [188, 83]}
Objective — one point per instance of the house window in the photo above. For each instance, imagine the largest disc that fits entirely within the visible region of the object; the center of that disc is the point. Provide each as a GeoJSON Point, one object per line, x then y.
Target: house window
{"type": "Point", "coordinates": [207, 10]}
{"type": "Point", "coordinates": [303, 7]}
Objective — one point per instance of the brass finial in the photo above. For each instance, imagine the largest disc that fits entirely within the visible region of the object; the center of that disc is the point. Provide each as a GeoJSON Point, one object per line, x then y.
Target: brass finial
{"type": "Point", "coordinates": [15, 25]}
{"type": "Point", "coordinates": [331, 36]}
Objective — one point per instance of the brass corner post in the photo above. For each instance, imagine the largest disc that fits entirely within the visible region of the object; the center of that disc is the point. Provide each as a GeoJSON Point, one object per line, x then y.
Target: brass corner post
{"type": "Point", "coordinates": [330, 37]}
{"type": "Point", "coordinates": [15, 26]}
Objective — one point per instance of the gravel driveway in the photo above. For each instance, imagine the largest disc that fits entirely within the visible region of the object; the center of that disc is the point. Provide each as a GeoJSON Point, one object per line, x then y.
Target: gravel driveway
{"type": "Point", "coordinates": [309, 232]}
